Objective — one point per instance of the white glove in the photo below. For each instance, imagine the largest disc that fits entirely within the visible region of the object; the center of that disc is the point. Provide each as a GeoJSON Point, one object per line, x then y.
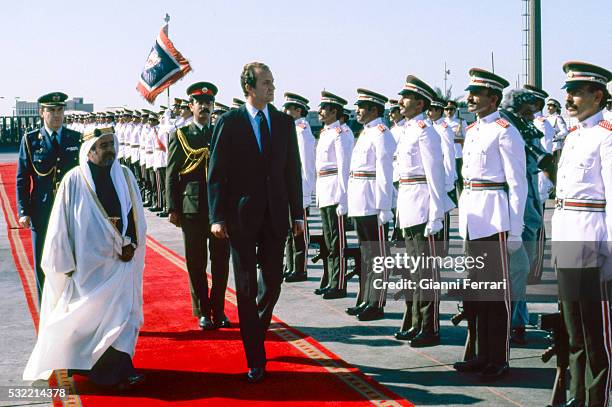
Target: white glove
{"type": "Point", "coordinates": [384, 217]}
{"type": "Point", "coordinates": [514, 243]}
{"type": "Point", "coordinates": [433, 227]}
{"type": "Point", "coordinates": [341, 210]}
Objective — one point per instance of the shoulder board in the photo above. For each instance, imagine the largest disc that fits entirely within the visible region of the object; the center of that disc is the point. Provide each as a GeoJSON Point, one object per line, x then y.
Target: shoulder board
{"type": "Point", "coordinates": [302, 125]}
{"type": "Point", "coordinates": [502, 122]}
{"type": "Point", "coordinates": [470, 126]}
{"type": "Point", "coordinates": [606, 124]}
{"type": "Point", "coordinates": [421, 124]}
{"type": "Point", "coordinates": [381, 127]}
{"type": "Point", "coordinates": [572, 128]}
{"type": "Point", "coordinates": [444, 125]}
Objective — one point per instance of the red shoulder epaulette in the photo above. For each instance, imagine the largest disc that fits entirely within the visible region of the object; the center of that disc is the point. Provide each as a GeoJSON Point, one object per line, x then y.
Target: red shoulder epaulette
{"type": "Point", "coordinates": [470, 126]}
{"type": "Point", "coordinates": [606, 124]}
{"type": "Point", "coordinates": [338, 130]}
{"type": "Point", "coordinates": [573, 128]}
{"type": "Point", "coordinates": [381, 127]}
{"type": "Point", "coordinates": [302, 125]}
{"type": "Point", "coordinates": [421, 124]}
{"type": "Point", "coordinates": [502, 122]}
{"type": "Point", "coordinates": [444, 125]}
{"type": "Point", "coordinates": [541, 118]}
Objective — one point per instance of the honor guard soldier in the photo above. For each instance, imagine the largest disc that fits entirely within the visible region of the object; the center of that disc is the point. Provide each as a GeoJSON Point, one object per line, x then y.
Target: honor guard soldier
{"type": "Point", "coordinates": [397, 128]}
{"type": "Point", "coordinates": [161, 159]}
{"type": "Point", "coordinates": [370, 197]}
{"type": "Point", "coordinates": [458, 126]}
{"type": "Point", "coordinates": [422, 201]}
{"type": "Point", "coordinates": [581, 225]}
{"type": "Point", "coordinates": [185, 117]}
{"type": "Point", "coordinates": [220, 108]}
{"type": "Point", "coordinates": [333, 159]}
{"type": "Point", "coordinates": [186, 192]}
{"type": "Point", "coordinates": [45, 155]}
{"type": "Point", "coordinates": [491, 220]}
{"type": "Point", "coordinates": [135, 146]}
{"type": "Point", "coordinates": [558, 123]}
{"type": "Point", "coordinates": [150, 150]}
{"type": "Point", "coordinates": [436, 116]}
{"type": "Point", "coordinates": [539, 121]}
{"type": "Point", "coordinates": [142, 154]}
{"type": "Point", "coordinates": [119, 134]}
{"type": "Point", "coordinates": [296, 248]}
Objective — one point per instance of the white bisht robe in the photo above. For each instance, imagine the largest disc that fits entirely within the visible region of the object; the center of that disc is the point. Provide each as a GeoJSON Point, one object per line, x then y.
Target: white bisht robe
{"type": "Point", "coordinates": [100, 305]}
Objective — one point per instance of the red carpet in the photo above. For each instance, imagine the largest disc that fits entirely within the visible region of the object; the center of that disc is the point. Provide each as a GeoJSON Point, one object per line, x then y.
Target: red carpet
{"type": "Point", "coordinates": [186, 366]}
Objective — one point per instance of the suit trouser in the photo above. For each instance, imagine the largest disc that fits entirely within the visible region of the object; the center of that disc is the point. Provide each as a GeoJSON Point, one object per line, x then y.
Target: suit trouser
{"type": "Point", "coordinates": [39, 232]}
{"type": "Point", "coordinates": [296, 249]}
{"type": "Point", "coordinates": [335, 240]}
{"type": "Point", "coordinates": [492, 313]}
{"type": "Point", "coordinates": [160, 182]}
{"type": "Point", "coordinates": [372, 238]}
{"type": "Point", "coordinates": [588, 326]}
{"type": "Point", "coordinates": [255, 313]}
{"type": "Point", "coordinates": [196, 233]}
{"type": "Point", "coordinates": [422, 306]}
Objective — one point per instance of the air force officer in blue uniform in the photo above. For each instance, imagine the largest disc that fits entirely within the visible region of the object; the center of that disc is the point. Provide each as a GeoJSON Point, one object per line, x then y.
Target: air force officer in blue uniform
{"type": "Point", "coordinates": [45, 155]}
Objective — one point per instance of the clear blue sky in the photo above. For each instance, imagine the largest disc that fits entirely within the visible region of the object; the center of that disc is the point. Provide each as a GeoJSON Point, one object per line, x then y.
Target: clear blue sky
{"type": "Point", "coordinates": [97, 49]}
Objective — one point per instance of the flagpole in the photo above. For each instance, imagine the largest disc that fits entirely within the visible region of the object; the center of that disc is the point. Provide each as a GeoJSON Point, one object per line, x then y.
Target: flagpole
{"type": "Point", "coordinates": [167, 20]}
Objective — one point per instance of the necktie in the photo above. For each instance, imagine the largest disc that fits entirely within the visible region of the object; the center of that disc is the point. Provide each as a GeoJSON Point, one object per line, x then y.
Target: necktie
{"type": "Point", "coordinates": [55, 142]}
{"type": "Point", "coordinates": [264, 131]}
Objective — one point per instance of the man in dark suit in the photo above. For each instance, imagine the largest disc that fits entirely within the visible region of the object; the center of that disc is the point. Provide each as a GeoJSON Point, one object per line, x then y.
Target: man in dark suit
{"type": "Point", "coordinates": [45, 155]}
{"type": "Point", "coordinates": [255, 187]}
{"type": "Point", "coordinates": [188, 153]}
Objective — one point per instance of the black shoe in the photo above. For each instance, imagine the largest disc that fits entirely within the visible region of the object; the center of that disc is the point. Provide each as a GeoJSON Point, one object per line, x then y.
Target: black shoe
{"type": "Point", "coordinates": [256, 374]}
{"type": "Point", "coordinates": [155, 209]}
{"type": "Point", "coordinates": [130, 383]}
{"type": "Point", "coordinates": [222, 322]}
{"type": "Point", "coordinates": [406, 335]}
{"type": "Point", "coordinates": [321, 291]}
{"type": "Point", "coordinates": [472, 365]}
{"type": "Point", "coordinates": [371, 313]}
{"type": "Point", "coordinates": [423, 340]}
{"type": "Point", "coordinates": [334, 293]}
{"type": "Point", "coordinates": [206, 324]}
{"type": "Point", "coordinates": [356, 310]}
{"type": "Point", "coordinates": [493, 372]}
{"type": "Point", "coordinates": [163, 214]}
{"type": "Point", "coordinates": [296, 277]}
{"type": "Point", "coordinates": [518, 336]}
{"type": "Point", "coordinates": [147, 204]}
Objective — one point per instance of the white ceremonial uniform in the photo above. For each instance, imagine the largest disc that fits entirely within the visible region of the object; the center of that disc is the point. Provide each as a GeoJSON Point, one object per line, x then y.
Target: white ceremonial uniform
{"type": "Point", "coordinates": [370, 184]}
{"type": "Point", "coordinates": [558, 124]}
{"type": "Point", "coordinates": [160, 156]}
{"type": "Point", "coordinates": [306, 147]}
{"type": "Point", "coordinates": [396, 130]}
{"type": "Point", "coordinates": [494, 152]}
{"type": "Point", "coordinates": [458, 126]}
{"type": "Point", "coordinates": [333, 159]}
{"type": "Point", "coordinates": [584, 184]}
{"type": "Point", "coordinates": [447, 138]}
{"type": "Point", "coordinates": [119, 134]}
{"type": "Point", "coordinates": [545, 127]}
{"type": "Point", "coordinates": [421, 191]}
{"type": "Point", "coordinates": [135, 142]}
{"type": "Point", "coordinates": [607, 114]}
{"type": "Point", "coordinates": [150, 146]}
{"type": "Point", "coordinates": [144, 140]}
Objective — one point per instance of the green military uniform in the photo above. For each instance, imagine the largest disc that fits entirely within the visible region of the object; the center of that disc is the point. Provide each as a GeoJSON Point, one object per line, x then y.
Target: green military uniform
{"type": "Point", "coordinates": [186, 191]}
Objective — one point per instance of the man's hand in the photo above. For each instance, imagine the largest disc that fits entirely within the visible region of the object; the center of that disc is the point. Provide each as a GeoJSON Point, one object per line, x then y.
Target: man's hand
{"type": "Point", "coordinates": [175, 219]}
{"type": "Point", "coordinates": [513, 243]}
{"type": "Point", "coordinates": [24, 222]}
{"type": "Point", "coordinates": [432, 227]}
{"type": "Point", "coordinates": [127, 253]}
{"type": "Point", "coordinates": [219, 230]}
{"type": "Point", "coordinates": [341, 210]}
{"type": "Point", "coordinates": [298, 228]}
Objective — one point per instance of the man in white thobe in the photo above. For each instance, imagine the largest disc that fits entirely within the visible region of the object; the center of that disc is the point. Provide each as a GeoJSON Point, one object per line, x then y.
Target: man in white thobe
{"type": "Point", "coordinates": [93, 260]}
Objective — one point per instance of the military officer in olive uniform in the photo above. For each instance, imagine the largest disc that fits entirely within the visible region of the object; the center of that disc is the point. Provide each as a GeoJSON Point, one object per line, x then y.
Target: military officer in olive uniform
{"type": "Point", "coordinates": [45, 155]}
{"type": "Point", "coordinates": [186, 192]}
